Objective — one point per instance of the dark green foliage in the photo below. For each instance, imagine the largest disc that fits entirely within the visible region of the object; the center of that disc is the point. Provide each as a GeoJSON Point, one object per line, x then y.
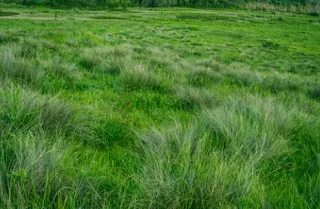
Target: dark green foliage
{"type": "Point", "coordinates": [315, 14]}
{"type": "Point", "coordinates": [6, 38]}
{"type": "Point", "coordinates": [270, 44]}
{"type": "Point", "coordinates": [113, 4]}
{"type": "Point", "coordinates": [4, 14]}
{"type": "Point", "coordinates": [113, 132]}
{"type": "Point", "coordinates": [314, 92]}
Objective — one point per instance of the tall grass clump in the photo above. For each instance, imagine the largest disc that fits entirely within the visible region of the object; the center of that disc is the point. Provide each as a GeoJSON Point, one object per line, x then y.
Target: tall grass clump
{"type": "Point", "coordinates": [38, 137]}
{"type": "Point", "coordinates": [93, 57]}
{"type": "Point", "coordinates": [110, 66]}
{"type": "Point", "coordinates": [29, 171]}
{"type": "Point", "coordinates": [137, 76]}
{"type": "Point", "coordinates": [181, 171]}
{"type": "Point", "coordinates": [22, 65]}
{"type": "Point", "coordinates": [25, 110]}
{"type": "Point", "coordinates": [14, 66]}
{"type": "Point", "coordinates": [240, 127]}
{"type": "Point", "coordinates": [95, 114]}
{"type": "Point", "coordinates": [58, 68]}
{"type": "Point", "coordinates": [243, 76]}
{"type": "Point", "coordinates": [226, 158]}
{"type": "Point", "coordinates": [162, 58]}
{"type": "Point", "coordinates": [41, 171]}
{"type": "Point", "coordinates": [106, 59]}
{"type": "Point", "coordinates": [189, 97]}
{"type": "Point", "coordinates": [200, 76]}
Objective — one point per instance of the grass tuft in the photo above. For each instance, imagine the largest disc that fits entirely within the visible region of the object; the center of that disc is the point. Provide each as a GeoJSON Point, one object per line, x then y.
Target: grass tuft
{"type": "Point", "coordinates": [176, 108]}
{"type": "Point", "coordinates": [13, 66]}
{"type": "Point", "coordinates": [188, 97]}
{"type": "Point", "coordinates": [24, 110]}
{"type": "Point", "coordinates": [137, 77]}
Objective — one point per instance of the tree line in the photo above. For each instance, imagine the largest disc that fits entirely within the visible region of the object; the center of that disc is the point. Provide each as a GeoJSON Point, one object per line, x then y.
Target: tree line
{"type": "Point", "coordinates": [155, 3]}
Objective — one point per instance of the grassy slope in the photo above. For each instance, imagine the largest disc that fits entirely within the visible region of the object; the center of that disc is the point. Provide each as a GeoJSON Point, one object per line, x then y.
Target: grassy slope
{"type": "Point", "coordinates": [166, 108]}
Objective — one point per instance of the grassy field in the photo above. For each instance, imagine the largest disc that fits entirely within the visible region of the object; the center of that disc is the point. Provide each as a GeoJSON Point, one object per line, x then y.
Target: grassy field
{"type": "Point", "coordinates": [159, 108]}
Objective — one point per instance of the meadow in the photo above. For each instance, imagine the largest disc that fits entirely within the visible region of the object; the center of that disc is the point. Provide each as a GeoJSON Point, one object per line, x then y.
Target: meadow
{"type": "Point", "coordinates": [159, 108]}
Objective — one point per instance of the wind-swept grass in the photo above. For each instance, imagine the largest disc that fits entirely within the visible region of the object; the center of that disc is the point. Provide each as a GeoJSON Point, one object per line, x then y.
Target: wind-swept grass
{"type": "Point", "coordinates": [226, 154]}
{"type": "Point", "coordinates": [166, 108]}
{"type": "Point", "coordinates": [137, 76]}
{"type": "Point", "coordinates": [25, 110]}
{"type": "Point", "coordinates": [181, 171]}
{"type": "Point", "coordinates": [16, 67]}
{"type": "Point", "coordinates": [188, 97]}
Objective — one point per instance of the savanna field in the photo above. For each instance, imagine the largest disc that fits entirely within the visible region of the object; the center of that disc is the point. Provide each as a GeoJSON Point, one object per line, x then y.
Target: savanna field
{"type": "Point", "coordinates": [159, 108]}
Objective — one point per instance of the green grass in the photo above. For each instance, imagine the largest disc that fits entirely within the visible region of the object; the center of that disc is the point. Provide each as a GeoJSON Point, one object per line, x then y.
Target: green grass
{"type": "Point", "coordinates": [5, 14]}
{"type": "Point", "coordinates": [159, 108]}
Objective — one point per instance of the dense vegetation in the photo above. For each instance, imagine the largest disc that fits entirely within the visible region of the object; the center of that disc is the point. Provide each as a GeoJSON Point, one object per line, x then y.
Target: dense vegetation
{"type": "Point", "coordinates": [167, 108]}
{"type": "Point", "coordinates": [161, 3]}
